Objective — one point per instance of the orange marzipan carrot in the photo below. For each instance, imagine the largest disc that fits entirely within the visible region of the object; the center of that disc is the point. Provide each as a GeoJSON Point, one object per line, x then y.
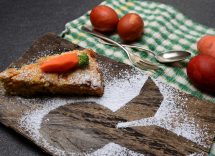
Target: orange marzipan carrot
{"type": "Point", "coordinates": [60, 64]}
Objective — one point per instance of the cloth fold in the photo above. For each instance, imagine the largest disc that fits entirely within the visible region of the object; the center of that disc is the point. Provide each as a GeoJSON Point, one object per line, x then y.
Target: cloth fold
{"type": "Point", "coordinates": [165, 29]}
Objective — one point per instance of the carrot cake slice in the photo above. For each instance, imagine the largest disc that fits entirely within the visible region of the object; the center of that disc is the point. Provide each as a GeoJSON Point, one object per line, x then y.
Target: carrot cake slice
{"type": "Point", "coordinates": [56, 75]}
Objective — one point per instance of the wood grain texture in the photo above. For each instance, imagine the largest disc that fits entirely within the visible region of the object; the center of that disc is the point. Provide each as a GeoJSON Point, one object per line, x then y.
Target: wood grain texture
{"type": "Point", "coordinates": [86, 127]}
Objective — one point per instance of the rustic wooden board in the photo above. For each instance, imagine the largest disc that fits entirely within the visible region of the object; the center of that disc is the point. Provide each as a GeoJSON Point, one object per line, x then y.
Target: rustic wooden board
{"type": "Point", "coordinates": [159, 120]}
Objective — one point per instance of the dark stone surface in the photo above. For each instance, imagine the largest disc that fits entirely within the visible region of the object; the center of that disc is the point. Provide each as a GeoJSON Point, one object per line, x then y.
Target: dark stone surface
{"type": "Point", "coordinates": [25, 20]}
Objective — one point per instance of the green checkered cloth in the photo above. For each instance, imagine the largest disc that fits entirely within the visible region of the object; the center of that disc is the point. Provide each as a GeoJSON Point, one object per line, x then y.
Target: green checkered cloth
{"type": "Point", "coordinates": [165, 29]}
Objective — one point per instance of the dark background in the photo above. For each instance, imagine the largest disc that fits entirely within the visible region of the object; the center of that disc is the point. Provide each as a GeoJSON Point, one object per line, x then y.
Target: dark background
{"type": "Point", "coordinates": [22, 21]}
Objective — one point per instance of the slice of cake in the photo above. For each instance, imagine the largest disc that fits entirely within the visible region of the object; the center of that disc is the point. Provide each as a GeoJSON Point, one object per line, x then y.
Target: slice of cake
{"type": "Point", "coordinates": [35, 78]}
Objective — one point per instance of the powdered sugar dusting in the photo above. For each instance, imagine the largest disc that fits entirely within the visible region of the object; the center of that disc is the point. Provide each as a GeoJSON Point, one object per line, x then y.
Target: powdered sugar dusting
{"type": "Point", "coordinates": [118, 91]}
{"type": "Point", "coordinates": [168, 116]}
{"type": "Point", "coordinates": [198, 154]}
{"type": "Point", "coordinates": [112, 149]}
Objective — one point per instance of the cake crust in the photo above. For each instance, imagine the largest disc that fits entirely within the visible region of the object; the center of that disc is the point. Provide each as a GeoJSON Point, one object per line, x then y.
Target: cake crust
{"type": "Point", "coordinates": [29, 80]}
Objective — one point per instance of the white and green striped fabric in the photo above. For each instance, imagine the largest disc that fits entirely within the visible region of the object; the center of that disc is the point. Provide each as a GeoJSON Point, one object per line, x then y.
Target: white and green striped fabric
{"type": "Point", "coordinates": [165, 29]}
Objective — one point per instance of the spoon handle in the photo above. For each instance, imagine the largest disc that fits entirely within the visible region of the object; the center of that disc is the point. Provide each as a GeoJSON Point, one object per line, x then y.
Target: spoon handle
{"type": "Point", "coordinates": [130, 46]}
{"type": "Point", "coordinates": [104, 38]}
{"type": "Point", "coordinates": [130, 55]}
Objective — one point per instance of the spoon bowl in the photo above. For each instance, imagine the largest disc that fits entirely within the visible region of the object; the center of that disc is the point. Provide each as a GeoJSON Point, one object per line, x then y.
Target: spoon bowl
{"type": "Point", "coordinates": [166, 57]}
{"type": "Point", "coordinates": [172, 56]}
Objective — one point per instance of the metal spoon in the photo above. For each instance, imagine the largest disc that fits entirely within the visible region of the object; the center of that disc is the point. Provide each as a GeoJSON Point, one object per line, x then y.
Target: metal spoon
{"type": "Point", "coordinates": [135, 60]}
{"type": "Point", "coordinates": [167, 57]}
